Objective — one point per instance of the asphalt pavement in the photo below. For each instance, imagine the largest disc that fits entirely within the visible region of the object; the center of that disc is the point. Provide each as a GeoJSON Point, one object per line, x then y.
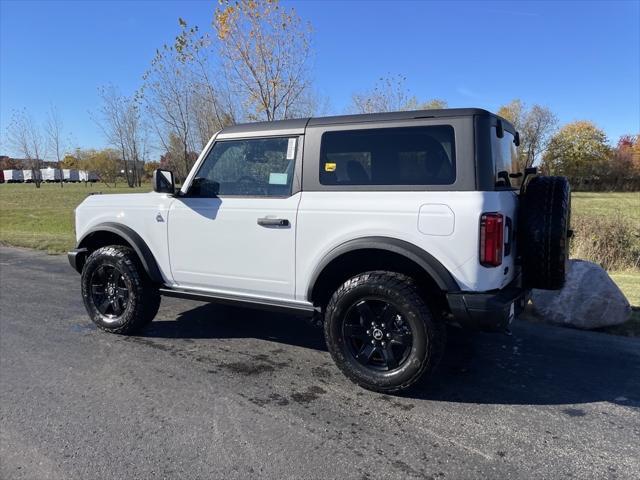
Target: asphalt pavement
{"type": "Point", "coordinates": [211, 392]}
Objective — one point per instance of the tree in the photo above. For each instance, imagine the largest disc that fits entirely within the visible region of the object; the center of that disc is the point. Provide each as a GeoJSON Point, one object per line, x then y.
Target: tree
{"type": "Point", "coordinates": [69, 161]}
{"type": "Point", "coordinates": [434, 104]}
{"type": "Point", "coordinates": [540, 122]}
{"type": "Point", "coordinates": [82, 157]}
{"type": "Point", "coordinates": [186, 98]}
{"type": "Point", "coordinates": [24, 135]}
{"type": "Point", "coordinates": [514, 111]}
{"type": "Point", "coordinates": [390, 94]}
{"type": "Point", "coordinates": [105, 163]}
{"type": "Point", "coordinates": [625, 157]}
{"type": "Point", "coordinates": [169, 96]}
{"type": "Point", "coordinates": [265, 51]}
{"type": "Point", "coordinates": [121, 123]}
{"type": "Point", "coordinates": [579, 149]}
{"type": "Point", "coordinates": [254, 67]}
{"type": "Point", "coordinates": [149, 168]}
{"type": "Point", "coordinates": [8, 163]}
{"type": "Point", "coordinates": [173, 158]}
{"type": "Point", "coordinates": [536, 125]}
{"type": "Point", "coordinates": [212, 104]}
{"type": "Point", "coordinates": [53, 130]}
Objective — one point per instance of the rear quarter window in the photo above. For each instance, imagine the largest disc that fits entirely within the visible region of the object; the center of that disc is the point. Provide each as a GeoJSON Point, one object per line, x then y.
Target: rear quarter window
{"type": "Point", "coordinates": [389, 156]}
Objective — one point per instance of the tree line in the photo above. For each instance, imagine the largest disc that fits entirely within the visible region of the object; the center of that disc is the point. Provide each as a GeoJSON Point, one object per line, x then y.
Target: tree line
{"type": "Point", "coordinates": [579, 149]}
{"type": "Point", "coordinates": [253, 64]}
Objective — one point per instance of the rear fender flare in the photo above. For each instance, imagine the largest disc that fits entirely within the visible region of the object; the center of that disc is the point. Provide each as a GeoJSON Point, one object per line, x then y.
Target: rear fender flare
{"type": "Point", "coordinates": [425, 260]}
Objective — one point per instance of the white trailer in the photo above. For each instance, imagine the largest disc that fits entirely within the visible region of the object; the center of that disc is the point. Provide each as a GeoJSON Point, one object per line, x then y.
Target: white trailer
{"type": "Point", "coordinates": [50, 174]}
{"type": "Point", "coordinates": [87, 176]}
{"type": "Point", "coordinates": [13, 176]}
{"type": "Point", "coordinates": [30, 176]}
{"type": "Point", "coordinates": [70, 175]}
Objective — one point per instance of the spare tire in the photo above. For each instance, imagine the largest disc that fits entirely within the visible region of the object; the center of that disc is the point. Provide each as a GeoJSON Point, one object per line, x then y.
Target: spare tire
{"type": "Point", "coordinates": [543, 231]}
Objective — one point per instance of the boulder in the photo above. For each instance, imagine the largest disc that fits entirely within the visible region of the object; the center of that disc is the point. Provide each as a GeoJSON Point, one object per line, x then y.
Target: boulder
{"type": "Point", "coordinates": [589, 299]}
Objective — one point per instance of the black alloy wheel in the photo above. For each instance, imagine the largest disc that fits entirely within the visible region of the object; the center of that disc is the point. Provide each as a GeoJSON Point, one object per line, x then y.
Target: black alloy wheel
{"type": "Point", "coordinates": [377, 335]}
{"type": "Point", "coordinates": [109, 291]}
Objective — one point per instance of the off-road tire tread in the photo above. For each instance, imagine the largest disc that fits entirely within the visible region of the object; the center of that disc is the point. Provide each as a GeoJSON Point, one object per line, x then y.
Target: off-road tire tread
{"type": "Point", "coordinates": [405, 286]}
{"type": "Point", "coordinates": [544, 221]}
{"type": "Point", "coordinates": [146, 296]}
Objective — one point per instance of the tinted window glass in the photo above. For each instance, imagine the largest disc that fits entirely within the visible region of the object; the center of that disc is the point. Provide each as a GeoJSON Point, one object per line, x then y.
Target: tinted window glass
{"type": "Point", "coordinates": [388, 156]}
{"type": "Point", "coordinates": [257, 167]}
{"type": "Point", "coordinates": [505, 159]}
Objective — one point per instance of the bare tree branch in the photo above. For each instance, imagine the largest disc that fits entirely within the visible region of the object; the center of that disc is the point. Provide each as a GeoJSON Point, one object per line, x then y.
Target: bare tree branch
{"type": "Point", "coordinates": [53, 130]}
{"type": "Point", "coordinates": [390, 94]}
{"type": "Point", "coordinates": [265, 50]}
{"type": "Point", "coordinates": [121, 123]}
{"type": "Point", "coordinates": [25, 136]}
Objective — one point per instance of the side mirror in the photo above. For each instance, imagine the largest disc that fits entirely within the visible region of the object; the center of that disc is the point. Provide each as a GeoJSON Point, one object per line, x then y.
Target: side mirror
{"type": "Point", "coordinates": [163, 181]}
{"type": "Point", "coordinates": [516, 139]}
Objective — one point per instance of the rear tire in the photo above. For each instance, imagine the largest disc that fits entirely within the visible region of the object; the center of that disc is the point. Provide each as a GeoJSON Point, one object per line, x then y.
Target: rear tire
{"type": "Point", "coordinates": [380, 332]}
{"type": "Point", "coordinates": [543, 232]}
{"type": "Point", "coordinates": [117, 293]}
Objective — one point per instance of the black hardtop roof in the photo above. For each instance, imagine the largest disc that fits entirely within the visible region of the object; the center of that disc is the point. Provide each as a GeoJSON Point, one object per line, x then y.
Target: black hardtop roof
{"type": "Point", "coordinates": [301, 123]}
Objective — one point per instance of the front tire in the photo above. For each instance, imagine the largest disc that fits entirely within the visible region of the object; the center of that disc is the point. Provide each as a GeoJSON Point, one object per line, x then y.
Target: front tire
{"type": "Point", "coordinates": [117, 293]}
{"type": "Point", "coordinates": [381, 333]}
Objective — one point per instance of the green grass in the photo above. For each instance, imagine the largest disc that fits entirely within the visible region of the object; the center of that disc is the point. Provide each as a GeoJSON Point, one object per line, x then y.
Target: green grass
{"type": "Point", "coordinates": [629, 283]}
{"type": "Point", "coordinates": [42, 217]}
{"type": "Point", "coordinates": [626, 204]}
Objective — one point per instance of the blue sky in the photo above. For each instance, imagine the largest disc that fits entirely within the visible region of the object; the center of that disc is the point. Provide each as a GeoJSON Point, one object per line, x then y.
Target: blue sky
{"type": "Point", "coordinates": [582, 59]}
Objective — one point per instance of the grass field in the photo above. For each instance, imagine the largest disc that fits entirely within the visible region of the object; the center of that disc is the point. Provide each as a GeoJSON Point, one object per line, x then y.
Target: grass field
{"type": "Point", "coordinates": [629, 283]}
{"type": "Point", "coordinates": [43, 218]}
{"type": "Point", "coordinates": [626, 204]}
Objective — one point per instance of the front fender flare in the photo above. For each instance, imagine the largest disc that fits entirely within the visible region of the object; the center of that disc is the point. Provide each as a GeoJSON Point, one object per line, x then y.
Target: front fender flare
{"type": "Point", "coordinates": [133, 239]}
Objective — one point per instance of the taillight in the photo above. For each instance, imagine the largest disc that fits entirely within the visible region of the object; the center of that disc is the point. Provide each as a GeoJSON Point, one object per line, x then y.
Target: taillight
{"type": "Point", "coordinates": [491, 239]}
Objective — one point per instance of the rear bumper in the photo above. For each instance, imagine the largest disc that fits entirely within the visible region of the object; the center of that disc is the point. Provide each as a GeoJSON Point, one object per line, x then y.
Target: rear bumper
{"type": "Point", "coordinates": [488, 311]}
{"type": "Point", "coordinates": [76, 258]}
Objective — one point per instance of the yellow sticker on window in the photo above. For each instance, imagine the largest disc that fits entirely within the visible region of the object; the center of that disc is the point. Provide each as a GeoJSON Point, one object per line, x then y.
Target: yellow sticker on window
{"type": "Point", "coordinates": [329, 167]}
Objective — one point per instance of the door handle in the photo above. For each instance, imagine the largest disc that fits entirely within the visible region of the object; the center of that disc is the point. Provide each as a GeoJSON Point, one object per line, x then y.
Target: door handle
{"type": "Point", "coordinates": [273, 222]}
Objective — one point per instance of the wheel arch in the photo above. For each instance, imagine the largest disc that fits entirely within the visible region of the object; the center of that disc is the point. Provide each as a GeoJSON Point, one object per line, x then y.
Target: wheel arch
{"type": "Point", "coordinates": [111, 233]}
{"type": "Point", "coordinates": [372, 253]}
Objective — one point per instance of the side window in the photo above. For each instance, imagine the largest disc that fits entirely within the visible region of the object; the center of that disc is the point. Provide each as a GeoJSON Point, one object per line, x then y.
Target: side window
{"type": "Point", "coordinates": [252, 167]}
{"type": "Point", "coordinates": [389, 156]}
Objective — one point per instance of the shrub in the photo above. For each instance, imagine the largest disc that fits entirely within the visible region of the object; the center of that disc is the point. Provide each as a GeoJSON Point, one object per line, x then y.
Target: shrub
{"type": "Point", "coordinates": [612, 242]}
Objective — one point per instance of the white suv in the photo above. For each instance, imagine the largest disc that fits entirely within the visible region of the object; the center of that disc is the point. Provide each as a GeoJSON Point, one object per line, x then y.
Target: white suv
{"type": "Point", "coordinates": [386, 227]}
